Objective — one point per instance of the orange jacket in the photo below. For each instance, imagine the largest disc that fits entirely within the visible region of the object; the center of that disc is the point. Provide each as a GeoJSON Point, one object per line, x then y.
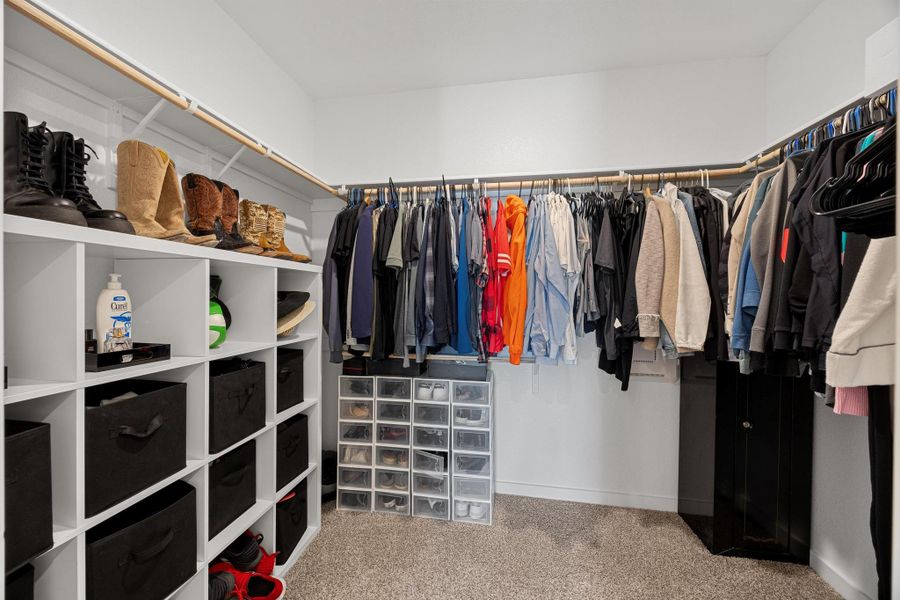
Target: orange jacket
{"type": "Point", "coordinates": [515, 293]}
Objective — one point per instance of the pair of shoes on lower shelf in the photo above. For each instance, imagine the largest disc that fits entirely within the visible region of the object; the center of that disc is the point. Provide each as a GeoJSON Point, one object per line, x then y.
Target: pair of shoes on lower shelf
{"type": "Point", "coordinates": [360, 411]}
{"type": "Point", "coordinates": [44, 177]}
{"type": "Point", "coordinates": [471, 510]}
{"type": "Point", "coordinates": [391, 503]}
{"type": "Point", "coordinates": [356, 456]}
{"type": "Point", "coordinates": [387, 481]}
{"type": "Point", "coordinates": [244, 571]}
{"type": "Point", "coordinates": [394, 458]}
{"type": "Point", "coordinates": [433, 391]}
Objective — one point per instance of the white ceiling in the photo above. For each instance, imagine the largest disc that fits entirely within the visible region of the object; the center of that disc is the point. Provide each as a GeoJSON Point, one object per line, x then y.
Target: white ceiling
{"type": "Point", "coordinates": [339, 48]}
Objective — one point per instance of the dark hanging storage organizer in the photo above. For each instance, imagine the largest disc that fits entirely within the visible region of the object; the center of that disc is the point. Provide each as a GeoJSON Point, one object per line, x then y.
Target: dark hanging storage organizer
{"type": "Point", "coordinates": [745, 461]}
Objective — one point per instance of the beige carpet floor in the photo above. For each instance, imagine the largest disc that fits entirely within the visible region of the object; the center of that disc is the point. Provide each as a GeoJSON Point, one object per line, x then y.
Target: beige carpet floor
{"type": "Point", "coordinates": [536, 549]}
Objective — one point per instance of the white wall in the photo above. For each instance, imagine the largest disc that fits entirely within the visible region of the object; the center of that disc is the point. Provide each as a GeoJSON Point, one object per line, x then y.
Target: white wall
{"type": "Point", "coordinates": [841, 545]}
{"type": "Point", "coordinates": [569, 432]}
{"type": "Point", "coordinates": [821, 64]}
{"type": "Point", "coordinates": [695, 113]}
{"type": "Point", "coordinates": [199, 49]}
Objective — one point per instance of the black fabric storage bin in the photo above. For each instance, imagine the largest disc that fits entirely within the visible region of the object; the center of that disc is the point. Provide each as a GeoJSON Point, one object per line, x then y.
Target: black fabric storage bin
{"type": "Point", "coordinates": [293, 449]}
{"type": "Point", "coordinates": [290, 522]}
{"type": "Point", "coordinates": [394, 367]}
{"type": "Point", "coordinates": [29, 505]}
{"type": "Point", "coordinates": [146, 551]}
{"type": "Point", "coordinates": [131, 444]}
{"type": "Point", "coordinates": [237, 401]}
{"type": "Point", "coordinates": [232, 486]}
{"type": "Point", "coordinates": [290, 378]}
{"type": "Point", "coordinates": [20, 584]}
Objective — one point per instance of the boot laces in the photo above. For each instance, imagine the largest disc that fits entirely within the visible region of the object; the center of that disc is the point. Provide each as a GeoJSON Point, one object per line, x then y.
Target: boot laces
{"type": "Point", "coordinates": [32, 170]}
{"type": "Point", "coordinates": [76, 188]}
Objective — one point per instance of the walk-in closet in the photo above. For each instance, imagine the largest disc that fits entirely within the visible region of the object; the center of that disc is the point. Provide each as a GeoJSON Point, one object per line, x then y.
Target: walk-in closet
{"type": "Point", "coordinates": [450, 300]}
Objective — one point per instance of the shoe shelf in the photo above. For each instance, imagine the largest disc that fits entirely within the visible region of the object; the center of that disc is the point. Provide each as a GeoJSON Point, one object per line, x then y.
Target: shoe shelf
{"type": "Point", "coordinates": [52, 276]}
{"type": "Point", "coordinates": [442, 428]}
{"type": "Point", "coordinates": [55, 48]}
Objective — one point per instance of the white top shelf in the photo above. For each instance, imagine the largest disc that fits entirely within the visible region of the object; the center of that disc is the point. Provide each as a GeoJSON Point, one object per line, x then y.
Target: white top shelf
{"type": "Point", "coordinates": [123, 245]}
{"type": "Point", "coordinates": [39, 44]}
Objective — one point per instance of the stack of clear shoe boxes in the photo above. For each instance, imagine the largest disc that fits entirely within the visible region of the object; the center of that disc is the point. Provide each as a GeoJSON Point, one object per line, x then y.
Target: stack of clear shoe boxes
{"type": "Point", "coordinates": [472, 465]}
{"type": "Point", "coordinates": [416, 446]}
{"type": "Point", "coordinates": [356, 412]}
{"type": "Point", "coordinates": [393, 408]}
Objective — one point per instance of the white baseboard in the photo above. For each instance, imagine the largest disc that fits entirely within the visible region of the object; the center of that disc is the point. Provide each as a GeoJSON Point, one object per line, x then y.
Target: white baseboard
{"type": "Point", "coordinates": [554, 492]}
{"type": "Point", "coordinates": [835, 579]}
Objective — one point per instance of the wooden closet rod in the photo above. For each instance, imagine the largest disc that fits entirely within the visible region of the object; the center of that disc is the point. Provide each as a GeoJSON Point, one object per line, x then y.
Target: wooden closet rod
{"type": "Point", "coordinates": [76, 38]}
{"type": "Point", "coordinates": [636, 179]}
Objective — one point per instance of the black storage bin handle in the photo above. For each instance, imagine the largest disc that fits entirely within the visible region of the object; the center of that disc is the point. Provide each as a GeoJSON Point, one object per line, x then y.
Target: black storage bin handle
{"type": "Point", "coordinates": [284, 373]}
{"type": "Point", "coordinates": [152, 427]}
{"type": "Point", "coordinates": [235, 477]}
{"type": "Point", "coordinates": [243, 397]}
{"type": "Point", "coordinates": [151, 552]}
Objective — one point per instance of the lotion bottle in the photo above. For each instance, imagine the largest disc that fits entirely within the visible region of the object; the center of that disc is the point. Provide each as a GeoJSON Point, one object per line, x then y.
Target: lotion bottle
{"type": "Point", "coordinates": [113, 317]}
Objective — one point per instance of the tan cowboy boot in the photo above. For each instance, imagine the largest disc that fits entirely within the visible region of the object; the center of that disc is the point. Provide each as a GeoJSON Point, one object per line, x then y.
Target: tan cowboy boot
{"type": "Point", "coordinates": [170, 213]}
{"type": "Point", "coordinates": [275, 227]}
{"type": "Point", "coordinates": [252, 226]}
{"type": "Point", "coordinates": [140, 170]}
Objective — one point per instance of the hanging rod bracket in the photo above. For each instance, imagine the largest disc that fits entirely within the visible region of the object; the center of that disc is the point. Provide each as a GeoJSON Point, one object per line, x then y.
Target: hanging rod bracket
{"type": "Point", "coordinates": [148, 118]}
{"type": "Point", "coordinates": [231, 161]}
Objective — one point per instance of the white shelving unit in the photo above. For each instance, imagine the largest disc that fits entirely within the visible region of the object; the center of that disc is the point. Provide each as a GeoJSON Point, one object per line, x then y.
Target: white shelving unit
{"type": "Point", "coordinates": [54, 269]}
{"type": "Point", "coordinates": [57, 73]}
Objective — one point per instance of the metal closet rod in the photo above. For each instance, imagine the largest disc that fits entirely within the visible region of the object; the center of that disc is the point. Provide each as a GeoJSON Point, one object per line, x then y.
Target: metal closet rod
{"type": "Point", "coordinates": [76, 38]}
{"type": "Point", "coordinates": [622, 177]}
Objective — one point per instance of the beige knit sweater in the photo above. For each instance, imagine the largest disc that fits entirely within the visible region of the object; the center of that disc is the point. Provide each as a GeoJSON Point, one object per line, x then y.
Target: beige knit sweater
{"type": "Point", "coordinates": [648, 277]}
{"type": "Point", "coordinates": [672, 252]}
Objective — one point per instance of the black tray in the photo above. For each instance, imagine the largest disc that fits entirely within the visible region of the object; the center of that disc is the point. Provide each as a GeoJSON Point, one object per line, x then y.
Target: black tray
{"type": "Point", "coordinates": [138, 355]}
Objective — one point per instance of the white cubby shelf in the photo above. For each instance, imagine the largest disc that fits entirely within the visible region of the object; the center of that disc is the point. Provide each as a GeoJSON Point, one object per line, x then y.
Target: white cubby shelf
{"type": "Point", "coordinates": [52, 276]}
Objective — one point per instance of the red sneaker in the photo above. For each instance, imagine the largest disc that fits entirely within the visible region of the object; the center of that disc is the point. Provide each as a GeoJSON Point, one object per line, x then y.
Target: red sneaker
{"type": "Point", "coordinates": [251, 586]}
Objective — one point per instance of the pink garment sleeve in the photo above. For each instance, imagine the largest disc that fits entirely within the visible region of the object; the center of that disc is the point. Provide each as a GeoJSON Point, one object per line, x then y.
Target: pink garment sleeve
{"type": "Point", "coordinates": [851, 401]}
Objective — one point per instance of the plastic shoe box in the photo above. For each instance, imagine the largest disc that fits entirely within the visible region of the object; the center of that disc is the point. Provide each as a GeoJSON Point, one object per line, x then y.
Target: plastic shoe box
{"type": "Point", "coordinates": [431, 414]}
{"type": "Point", "coordinates": [393, 411]}
{"type": "Point", "coordinates": [393, 458]}
{"type": "Point", "coordinates": [392, 434]}
{"type": "Point", "coordinates": [465, 511]}
{"type": "Point", "coordinates": [355, 477]}
{"type": "Point", "coordinates": [471, 440]}
{"type": "Point", "coordinates": [472, 416]}
{"type": "Point", "coordinates": [356, 410]}
{"type": "Point", "coordinates": [431, 390]}
{"type": "Point", "coordinates": [471, 464]}
{"type": "Point", "coordinates": [471, 488]}
{"type": "Point", "coordinates": [354, 500]}
{"type": "Point", "coordinates": [391, 481]}
{"type": "Point", "coordinates": [431, 508]}
{"type": "Point", "coordinates": [430, 462]}
{"type": "Point", "coordinates": [360, 433]}
{"type": "Point", "coordinates": [431, 437]}
{"type": "Point", "coordinates": [431, 485]}
{"type": "Point", "coordinates": [357, 456]}
{"type": "Point", "coordinates": [396, 504]}
{"type": "Point", "coordinates": [469, 392]}
{"type": "Point", "coordinates": [390, 388]}
{"type": "Point", "coordinates": [357, 387]}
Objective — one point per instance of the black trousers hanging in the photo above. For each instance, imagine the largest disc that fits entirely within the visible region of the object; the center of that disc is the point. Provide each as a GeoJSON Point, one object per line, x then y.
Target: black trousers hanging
{"type": "Point", "coordinates": [881, 465]}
